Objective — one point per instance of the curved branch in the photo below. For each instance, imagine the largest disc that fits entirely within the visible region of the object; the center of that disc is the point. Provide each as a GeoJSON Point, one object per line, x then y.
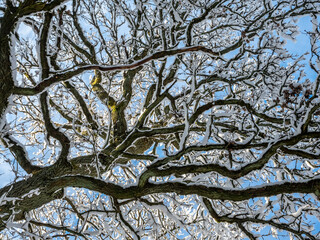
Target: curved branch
{"type": "Point", "coordinates": [52, 131]}
{"type": "Point", "coordinates": [62, 228]}
{"type": "Point", "coordinates": [153, 171]}
{"type": "Point", "coordinates": [198, 20]}
{"type": "Point", "coordinates": [227, 219]}
{"type": "Point", "coordinates": [20, 154]}
{"type": "Point", "coordinates": [68, 74]}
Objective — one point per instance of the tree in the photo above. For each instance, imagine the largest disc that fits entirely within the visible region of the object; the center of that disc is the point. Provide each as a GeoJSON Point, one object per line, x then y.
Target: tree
{"type": "Point", "coordinates": [159, 119]}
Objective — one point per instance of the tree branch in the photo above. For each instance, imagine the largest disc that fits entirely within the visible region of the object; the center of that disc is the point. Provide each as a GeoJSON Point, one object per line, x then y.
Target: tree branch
{"type": "Point", "coordinates": [68, 74]}
{"type": "Point", "coordinates": [20, 154]}
{"type": "Point", "coordinates": [241, 221]}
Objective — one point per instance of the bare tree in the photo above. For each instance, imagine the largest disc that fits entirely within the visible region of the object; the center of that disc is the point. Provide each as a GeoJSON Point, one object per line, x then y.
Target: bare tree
{"type": "Point", "coordinates": [160, 119]}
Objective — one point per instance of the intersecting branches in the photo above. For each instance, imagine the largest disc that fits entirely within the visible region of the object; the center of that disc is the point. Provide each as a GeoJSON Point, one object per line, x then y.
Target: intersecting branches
{"type": "Point", "coordinates": [159, 107]}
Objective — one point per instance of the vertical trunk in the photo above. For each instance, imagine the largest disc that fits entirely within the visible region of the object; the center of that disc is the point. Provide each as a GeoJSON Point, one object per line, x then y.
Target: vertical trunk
{"type": "Point", "coordinates": [6, 78]}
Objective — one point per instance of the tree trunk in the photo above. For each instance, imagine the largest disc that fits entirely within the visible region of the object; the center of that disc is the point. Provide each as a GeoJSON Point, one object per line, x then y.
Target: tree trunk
{"type": "Point", "coordinates": [6, 77]}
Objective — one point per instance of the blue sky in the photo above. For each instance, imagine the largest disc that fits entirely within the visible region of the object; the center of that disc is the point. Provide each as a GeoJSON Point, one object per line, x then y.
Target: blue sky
{"type": "Point", "coordinates": [299, 47]}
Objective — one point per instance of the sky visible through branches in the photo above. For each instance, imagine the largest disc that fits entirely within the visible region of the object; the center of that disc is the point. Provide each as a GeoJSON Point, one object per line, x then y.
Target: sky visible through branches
{"type": "Point", "coordinates": [159, 119]}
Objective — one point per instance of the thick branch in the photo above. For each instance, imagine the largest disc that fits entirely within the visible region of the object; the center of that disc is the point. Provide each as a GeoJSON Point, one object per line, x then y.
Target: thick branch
{"type": "Point", "coordinates": [153, 171]}
{"type": "Point", "coordinates": [20, 154]}
{"type": "Point", "coordinates": [68, 74]}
